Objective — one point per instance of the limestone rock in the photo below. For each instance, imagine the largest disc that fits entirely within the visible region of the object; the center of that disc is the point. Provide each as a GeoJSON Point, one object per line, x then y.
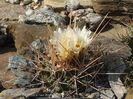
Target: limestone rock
{"type": "Point", "coordinates": [71, 5]}
{"type": "Point", "coordinates": [42, 16]}
{"type": "Point", "coordinates": [88, 17]}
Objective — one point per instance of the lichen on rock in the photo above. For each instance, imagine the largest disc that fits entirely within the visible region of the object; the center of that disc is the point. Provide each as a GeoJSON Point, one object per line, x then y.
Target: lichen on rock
{"type": "Point", "coordinates": [22, 69]}
{"type": "Point", "coordinates": [42, 16]}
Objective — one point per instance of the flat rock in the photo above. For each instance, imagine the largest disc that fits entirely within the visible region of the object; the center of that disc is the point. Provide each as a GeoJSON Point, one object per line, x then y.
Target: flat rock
{"type": "Point", "coordinates": [25, 34]}
{"type": "Point", "coordinates": [105, 6]}
{"type": "Point", "coordinates": [43, 16]}
{"type": "Point", "coordinates": [60, 3]}
{"type": "Point", "coordinates": [14, 93]}
{"type": "Point", "coordinates": [107, 94]}
{"type": "Point", "coordinates": [9, 11]}
{"type": "Point", "coordinates": [5, 76]}
{"type": "Point", "coordinates": [116, 65]}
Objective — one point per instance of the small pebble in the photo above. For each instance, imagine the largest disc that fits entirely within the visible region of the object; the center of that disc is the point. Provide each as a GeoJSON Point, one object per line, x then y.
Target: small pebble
{"type": "Point", "coordinates": [29, 12]}
{"type": "Point", "coordinates": [56, 95]}
{"type": "Point", "coordinates": [13, 1]}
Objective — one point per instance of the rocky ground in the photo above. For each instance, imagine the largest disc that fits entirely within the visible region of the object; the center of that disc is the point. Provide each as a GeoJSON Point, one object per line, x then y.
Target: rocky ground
{"type": "Point", "coordinates": [110, 38]}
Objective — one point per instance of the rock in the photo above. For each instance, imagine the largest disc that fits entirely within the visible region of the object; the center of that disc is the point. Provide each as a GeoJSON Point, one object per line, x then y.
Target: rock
{"type": "Point", "coordinates": [56, 95]}
{"type": "Point", "coordinates": [13, 1]}
{"type": "Point", "coordinates": [94, 95]}
{"type": "Point", "coordinates": [71, 5]}
{"type": "Point", "coordinates": [60, 3]}
{"type": "Point", "coordinates": [36, 1]}
{"type": "Point", "coordinates": [3, 29]}
{"type": "Point", "coordinates": [105, 6]}
{"type": "Point", "coordinates": [29, 12]}
{"type": "Point", "coordinates": [81, 12]}
{"type": "Point", "coordinates": [107, 94]}
{"type": "Point", "coordinates": [38, 45]}
{"type": "Point", "coordinates": [112, 46]}
{"type": "Point", "coordinates": [116, 65]}
{"type": "Point", "coordinates": [28, 33]}
{"type": "Point", "coordinates": [91, 19]}
{"type": "Point", "coordinates": [19, 63]}
{"type": "Point", "coordinates": [23, 2]}
{"type": "Point", "coordinates": [22, 69]}
{"type": "Point", "coordinates": [5, 76]}
{"type": "Point", "coordinates": [42, 16]}
{"type": "Point", "coordinates": [26, 2]}
{"type": "Point", "coordinates": [9, 11]}
{"type": "Point", "coordinates": [19, 92]}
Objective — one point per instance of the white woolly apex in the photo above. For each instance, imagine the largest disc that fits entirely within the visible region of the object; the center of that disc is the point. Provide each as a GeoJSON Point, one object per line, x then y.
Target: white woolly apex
{"type": "Point", "coordinates": [71, 41]}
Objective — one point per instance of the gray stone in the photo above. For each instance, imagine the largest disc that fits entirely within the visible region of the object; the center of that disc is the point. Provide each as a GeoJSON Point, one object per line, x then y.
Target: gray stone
{"type": "Point", "coordinates": [107, 94]}
{"type": "Point", "coordinates": [94, 95]}
{"type": "Point", "coordinates": [22, 69]}
{"type": "Point", "coordinates": [19, 62]}
{"type": "Point", "coordinates": [25, 2]}
{"type": "Point", "coordinates": [71, 5]}
{"type": "Point", "coordinates": [13, 1]}
{"type": "Point", "coordinates": [3, 29]}
{"type": "Point", "coordinates": [115, 54]}
{"type": "Point", "coordinates": [43, 15]}
{"type": "Point", "coordinates": [116, 67]}
{"type": "Point", "coordinates": [56, 95]}
{"type": "Point", "coordinates": [22, 81]}
{"type": "Point", "coordinates": [91, 19]}
{"type": "Point", "coordinates": [36, 1]}
{"type": "Point", "coordinates": [29, 12]}
{"type": "Point", "coordinates": [37, 44]}
{"type": "Point", "coordinates": [82, 12]}
{"type": "Point", "coordinates": [60, 3]}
